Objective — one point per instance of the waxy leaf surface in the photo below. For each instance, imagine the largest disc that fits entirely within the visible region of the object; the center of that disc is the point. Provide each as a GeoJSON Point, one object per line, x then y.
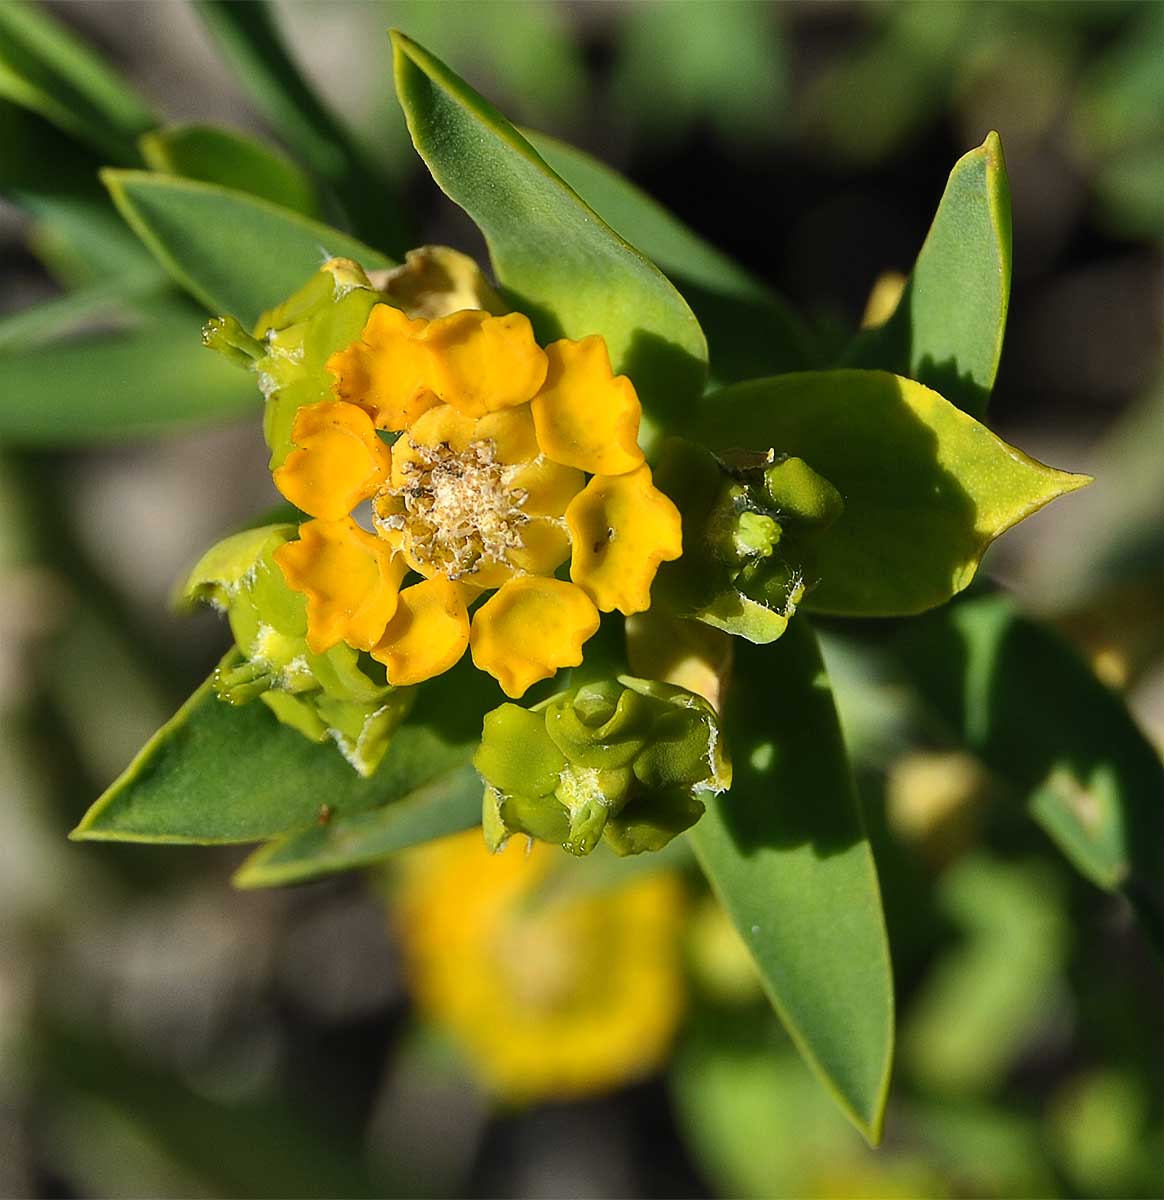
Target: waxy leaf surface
{"type": "Point", "coordinates": [948, 327]}
{"type": "Point", "coordinates": [926, 487]}
{"type": "Point", "coordinates": [448, 804]}
{"type": "Point", "coordinates": [559, 262]}
{"type": "Point", "coordinates": [231, 159]}
{"type": "Point", "coordinates": [233, 253]}
{"type": "Point", "coordinates": [217, 773]}
{"type": "Point", "coordinates": [786, 852]}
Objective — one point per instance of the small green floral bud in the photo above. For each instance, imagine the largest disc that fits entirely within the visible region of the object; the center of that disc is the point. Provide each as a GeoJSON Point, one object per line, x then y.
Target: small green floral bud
{"type": "Point", "coordinates": [339, 694]}
{"type": "Point", "coordinates": [619, 759]}
{"type": "Point", "coordinates": [750, 522]}
{"type": "Point", "coordinates": [798, 493]}
{"type": "Point", "coordinates": [229, 338]}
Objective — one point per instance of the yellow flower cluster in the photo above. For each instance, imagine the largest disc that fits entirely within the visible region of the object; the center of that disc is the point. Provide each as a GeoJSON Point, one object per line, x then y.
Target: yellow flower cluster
{"type": "Point", "coordinates": [549, 999]}
{"type": "Point", "coordinates": [511, 460]}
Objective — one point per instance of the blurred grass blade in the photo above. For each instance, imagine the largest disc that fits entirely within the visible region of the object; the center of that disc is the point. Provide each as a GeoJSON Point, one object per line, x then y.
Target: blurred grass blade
{"type": "Point", "coordinates": [750, 330]}
{"type": "Point", "coordinates": [787, 854]}
{"type": "Point", "coordinates": [448, 804]}
{"type": "Point", "coordinates": [53, 178]}
{"type": "Point", "coordinates": [948, 327]}
{"type": "Point", "coordinates": [121, 1124]}
{"type": "Point", "coordinates": [1017, 696]}
{"type": "Point", "coordinates": [217, 773]}
{"type": "Point", "coordinates": [926, 487]}
{"type": "Point", "coordinates": [46, 68]}
{"type": "Point", "coordinates": [558, 260]}
{"type": "Point", "coordinates": [249, 37]}
{"type": "Point", "coordinates": [232, 159]}
{"type": "Point", "coordinates": [152, 380]}
{"type": "Point", "coordinates": [986, 998]}
{"type": "Point", "coordinates": [51, 319]}
{"type": "Point", "coordinates": [233, 253]}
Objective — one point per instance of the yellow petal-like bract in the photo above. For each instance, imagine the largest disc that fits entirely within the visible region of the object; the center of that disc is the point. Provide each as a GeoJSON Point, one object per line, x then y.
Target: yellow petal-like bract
{"type": "Point", "coordinates": [339, 460]}
{"type": "Point", "coordinates": [586, 416]}
{"type": "Point", "coordinates": [428, 634]}
{"type": "Point", "coordinates": [622, 527]}
{"type": "Point", "coordinates": [351, 579]}
{"type": "Point", "coordinates": [529, 629]}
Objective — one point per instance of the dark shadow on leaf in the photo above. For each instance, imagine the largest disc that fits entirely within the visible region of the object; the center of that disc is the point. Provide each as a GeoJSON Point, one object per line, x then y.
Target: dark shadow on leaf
{"type": "Point", "coordinates": [667, 377]}
{"type": "Point", "coordinates": [889, 347]}
{"type": "Point", "coordinates": [790, 776]}
{"type": "Point", "coordinates": [747, 336]}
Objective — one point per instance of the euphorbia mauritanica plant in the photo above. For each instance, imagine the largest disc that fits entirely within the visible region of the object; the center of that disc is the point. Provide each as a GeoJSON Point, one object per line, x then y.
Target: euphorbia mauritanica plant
{"type": "Point", "coordinates": [555, 541]}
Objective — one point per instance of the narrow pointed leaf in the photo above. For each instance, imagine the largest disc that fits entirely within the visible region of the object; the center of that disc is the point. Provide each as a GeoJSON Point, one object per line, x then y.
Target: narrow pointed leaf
{"type": "Point", "coordinates": [786, 852]}
{"type": "Point", "coordinates": [46, 68]}
{"type": "Point", "coordinates": [216, 773]}
{"type": "Point", "coordinates": [231, 159]}
{"type": "Point", "coordinates": [560, 263]}
{"type": "Point", "coordinates": [750, 330]}
{"type": "Point", "coordinates": [1018, 696]}
{"type": "Point", "coordinates": [232, 252]}
{"type": "Point", "coordinates": [948, 327]}
{"type": "Point", "coordinates": [926, 487]}
{"type": "Point", "coordinates": [447, 804]}
{"type": "Point", "coordinates": [154, 379]}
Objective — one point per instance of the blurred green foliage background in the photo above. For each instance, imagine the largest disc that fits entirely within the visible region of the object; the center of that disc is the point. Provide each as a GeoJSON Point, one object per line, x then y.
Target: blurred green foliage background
{"type": "Point", "coordinates": [163, 1035]}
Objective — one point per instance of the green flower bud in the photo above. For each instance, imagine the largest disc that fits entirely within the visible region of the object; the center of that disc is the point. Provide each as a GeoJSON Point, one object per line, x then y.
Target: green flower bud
{"type": "Point", "coordinates": [798, 493]}
{"type": "Point", "coordinates": [619, 759]}
{"type": "Point", "coordinates": [341, 694]}
{"type": "Point", "coordinates": [750, 524]}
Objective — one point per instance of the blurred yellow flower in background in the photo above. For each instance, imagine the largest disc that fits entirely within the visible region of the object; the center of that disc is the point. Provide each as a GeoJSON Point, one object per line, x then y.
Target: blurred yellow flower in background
{"type": "Point", "coordinates": [550, 997]}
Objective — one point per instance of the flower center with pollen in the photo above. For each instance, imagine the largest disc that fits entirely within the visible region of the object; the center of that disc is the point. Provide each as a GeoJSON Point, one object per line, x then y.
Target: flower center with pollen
{"type": "Point", "coordinates": [458, 508]}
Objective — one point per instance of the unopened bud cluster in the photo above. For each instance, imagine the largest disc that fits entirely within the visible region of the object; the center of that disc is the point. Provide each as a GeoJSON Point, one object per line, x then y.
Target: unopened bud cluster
{"type": "Point", "coordinates": [750, 523]}
{"type": "Point", "coordinates": [334, 695]}
{"type": "Point", "coordinates": [620, 760]}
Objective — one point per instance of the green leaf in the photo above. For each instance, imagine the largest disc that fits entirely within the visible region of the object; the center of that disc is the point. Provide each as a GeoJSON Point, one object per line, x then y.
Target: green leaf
{"type": "Point", "coordinates": [948, 327]}
{"type": "Point", "coordinates": [448, 804]}
{"type": "Point", "coordinates": [1018, 697]}
{"type": "Point", "coordinates": [249, 36]}
{"type": "Point", "coordinates": [232, 159]}
{"type": "Point", "coordinates": [151, 380]}
{"type": "Point", "coordinates": [926, 487]}
{"type": "Point", "coordinates": [233, 253]}
{"type": "Point", "coordinates": [217, 773]}
{"type": "Point", "coordinates": [47, 69]}
{"type": "Point", "coordinates": [787, 854]}
{"type": "Point", "coordinates": [559, 261]}
{"type": "Point", "coordinates": [750, 330]}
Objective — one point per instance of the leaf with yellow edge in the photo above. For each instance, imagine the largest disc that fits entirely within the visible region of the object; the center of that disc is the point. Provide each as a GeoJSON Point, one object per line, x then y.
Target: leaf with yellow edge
{"type": "Point", "coordinates": [926, 487]}
{"type": "Point", "coordinates": [232, 252]}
